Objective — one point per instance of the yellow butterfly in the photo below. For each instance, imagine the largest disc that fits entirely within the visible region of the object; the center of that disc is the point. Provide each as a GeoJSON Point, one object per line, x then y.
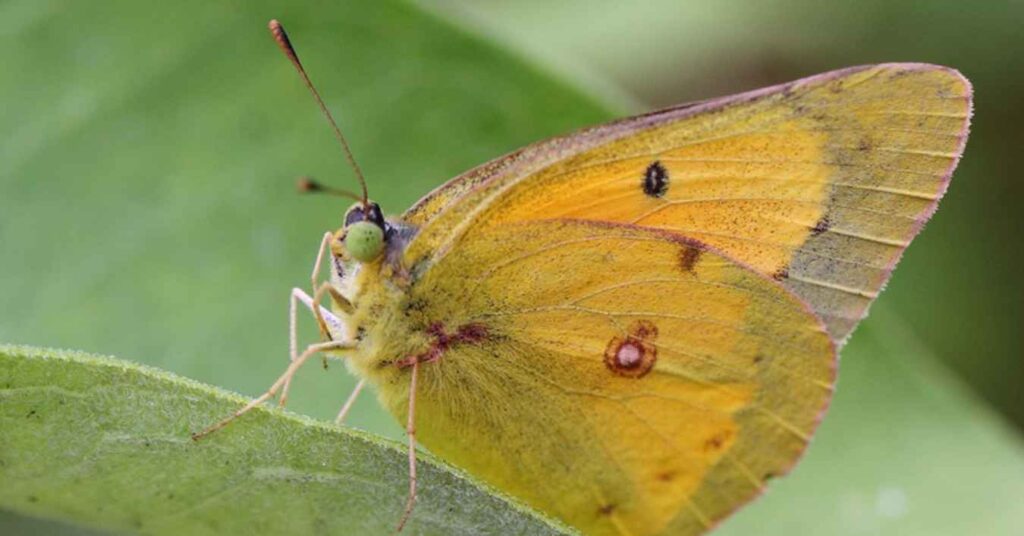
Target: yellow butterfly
{"type": "Point", "coordinates": [634, 327]}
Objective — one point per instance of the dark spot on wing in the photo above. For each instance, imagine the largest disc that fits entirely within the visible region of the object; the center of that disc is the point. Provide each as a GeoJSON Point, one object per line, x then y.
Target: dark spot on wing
{"type": "Point", "coordinates": [688, 258]}
{"type": "Point", "coordinates": [823, 225]}
{"type": "Point", "coordinates": [865, 144]}
{"type": "Point", "coordinates": [717, 441]}
{"type": "Point", "coordinates": [655, 180]}
{"type": "Point", "coordinates": [666, 476]}
{"type": "Point", "coordinates": [781, 274]}
{"type": "Point", "coordinates": [758, 358]}
{"type": "Point", "coordinates": [606, 509]}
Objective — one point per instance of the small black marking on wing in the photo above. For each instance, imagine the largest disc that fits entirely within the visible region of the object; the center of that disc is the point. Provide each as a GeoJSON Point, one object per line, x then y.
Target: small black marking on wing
{"type": "Point", "coordinates": [655, 180]}
{"type": "Point", "coordinates": [688, 258]}
{"type": "Point", "coordinates": [781, 274]}
{"type": "Point", "coordinates": [823, 225]}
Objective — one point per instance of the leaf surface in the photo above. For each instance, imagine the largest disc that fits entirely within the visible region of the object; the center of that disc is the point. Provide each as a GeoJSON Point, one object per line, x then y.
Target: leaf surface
{"type": "Point", "coordinates": [106, 443]}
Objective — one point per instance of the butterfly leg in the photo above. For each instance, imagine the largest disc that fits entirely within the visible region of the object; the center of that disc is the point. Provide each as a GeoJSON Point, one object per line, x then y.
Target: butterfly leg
{"type": "Point", "coordinates": [325, 316]}
{"type": "Point", "coordinates": [310, 351]}
{"type": "Point", "coordinates": [296, 296]}
{"type": "Point", "coordinates": [410, 432]}
{"type": "Point", "coordinates": [348, 403]}
{"type": "Point", "coordinates": [314, 277]}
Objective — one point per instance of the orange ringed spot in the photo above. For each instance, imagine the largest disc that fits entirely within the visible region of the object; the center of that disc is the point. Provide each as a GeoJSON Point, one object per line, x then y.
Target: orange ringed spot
{"type": "Point", "coordinates": [634, 355]}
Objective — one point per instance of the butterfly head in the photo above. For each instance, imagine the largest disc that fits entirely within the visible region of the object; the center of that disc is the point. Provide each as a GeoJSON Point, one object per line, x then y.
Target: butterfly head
{"type": "Point", "coordinates": [365, 232]}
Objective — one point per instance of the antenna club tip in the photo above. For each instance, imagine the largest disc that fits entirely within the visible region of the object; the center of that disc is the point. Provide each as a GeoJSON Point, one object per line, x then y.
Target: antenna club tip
{"type": "Point", "coordinates": [276, 29]}
{"type": "Point", "coordinates": [307, 184]}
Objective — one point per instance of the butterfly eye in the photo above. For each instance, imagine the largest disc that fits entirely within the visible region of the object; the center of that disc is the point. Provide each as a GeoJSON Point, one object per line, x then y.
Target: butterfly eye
{"type": "Point", "coordinates": [370, 212]}
{"type": "Point", "coordinates": [364, 241]}
{"type": "Point", "coordinates": [354, 214]}
{"type": "Point", "coordinates": [375, 215]}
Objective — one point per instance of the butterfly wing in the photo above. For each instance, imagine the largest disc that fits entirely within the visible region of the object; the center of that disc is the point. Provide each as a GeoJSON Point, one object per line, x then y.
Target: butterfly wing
{"type": "Point", "coordinates": [626, 380]}
{"type": "Point", "coordinates": [820, 183]}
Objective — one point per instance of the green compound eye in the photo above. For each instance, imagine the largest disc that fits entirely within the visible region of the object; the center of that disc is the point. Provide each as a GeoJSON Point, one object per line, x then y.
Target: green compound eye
{"type": "Point", "coordinates": [364, 241]}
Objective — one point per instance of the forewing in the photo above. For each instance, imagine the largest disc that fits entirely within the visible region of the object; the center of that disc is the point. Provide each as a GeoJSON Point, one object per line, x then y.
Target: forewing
{"type": "Point", "coordinates": [626, 380]}
{"type": "Point", "coordinates": [820, 183]}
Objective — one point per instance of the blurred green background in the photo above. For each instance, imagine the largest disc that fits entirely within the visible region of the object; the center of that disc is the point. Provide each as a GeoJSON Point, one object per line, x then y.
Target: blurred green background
{"type": "Point", "coordinates": [147, 207]}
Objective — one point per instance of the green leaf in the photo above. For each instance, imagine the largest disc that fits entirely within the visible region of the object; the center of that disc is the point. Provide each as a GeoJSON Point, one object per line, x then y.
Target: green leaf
{"type": "Point", "coordinates": [106, 443]}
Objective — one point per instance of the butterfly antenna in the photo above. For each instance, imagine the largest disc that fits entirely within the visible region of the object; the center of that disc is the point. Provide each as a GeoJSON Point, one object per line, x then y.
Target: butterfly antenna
{"type": "Point", "coordinates": [286, 46]}
{"type": "Point", "coordinates": [310, 185]}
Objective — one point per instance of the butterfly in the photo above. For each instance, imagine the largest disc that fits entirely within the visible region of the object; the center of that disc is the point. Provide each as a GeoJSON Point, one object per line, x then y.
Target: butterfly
{"type": "Point", "coordinates": [634, 327]}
